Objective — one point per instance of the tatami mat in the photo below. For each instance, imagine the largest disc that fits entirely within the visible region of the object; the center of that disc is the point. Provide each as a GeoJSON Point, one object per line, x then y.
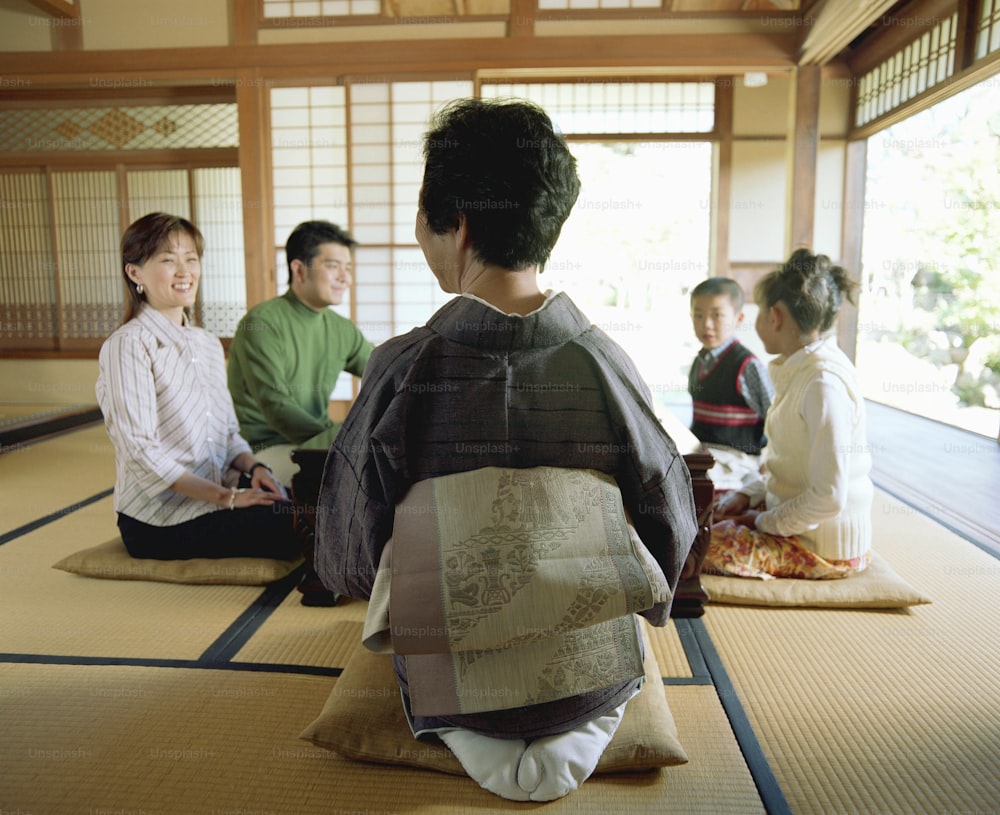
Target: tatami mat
{"type": "Point", "coordinates": [302, 635]}
{"type": "Point", "coordinates": [48, 476]}
{"type": "Point", "coordinates": [135, 739]}
{"type": "Point", "coordinates": [880, 711]}
{"type": "Point", "coordinates": [47, 611]}
{"type": "Point", "coordinates": [854, 711]}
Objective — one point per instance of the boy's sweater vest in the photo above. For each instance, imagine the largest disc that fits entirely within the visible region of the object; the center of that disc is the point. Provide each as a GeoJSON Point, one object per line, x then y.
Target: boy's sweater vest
{"type": "Point", "coordinates": [721, 415]}
{"type": "Point", "coordinates": [786, 456]}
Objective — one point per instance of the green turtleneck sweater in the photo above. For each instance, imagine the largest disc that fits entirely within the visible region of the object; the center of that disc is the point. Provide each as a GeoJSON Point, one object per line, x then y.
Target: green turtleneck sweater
{"type": "Point", "coordinates": [283, 364]}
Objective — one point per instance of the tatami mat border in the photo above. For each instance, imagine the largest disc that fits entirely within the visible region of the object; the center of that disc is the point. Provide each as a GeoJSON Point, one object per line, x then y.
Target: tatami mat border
{"type": "Point", "coordinates": [25, 430]}
{"type": "Point", "coordinates": [54, 516]}
{"type": "Point", "coordinates": [141, 662]}
{"type": "Point", "coordinates": [246, 625]}
{"type": "Point", "coordinates": [700, 673]}
{"type": "Point", "coordinates": [760, 769]}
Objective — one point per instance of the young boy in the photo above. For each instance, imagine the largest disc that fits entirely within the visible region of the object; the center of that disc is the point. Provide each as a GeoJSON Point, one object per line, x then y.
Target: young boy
{"type": "Point", "coordinates": [729, 386]}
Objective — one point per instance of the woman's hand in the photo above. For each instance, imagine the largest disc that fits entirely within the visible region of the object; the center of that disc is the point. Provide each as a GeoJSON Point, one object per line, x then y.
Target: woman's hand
{"type": "Point", "coordinates": [263, 479]}
{"type": "Point", "coordinates": [201, 489]}
{"type": "Point", "coordinates": [255, 497]}
{"type": "Point", "coordinates": [731, 505]}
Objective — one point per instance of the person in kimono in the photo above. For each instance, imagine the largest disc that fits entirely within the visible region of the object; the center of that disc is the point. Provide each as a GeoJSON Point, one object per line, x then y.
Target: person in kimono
{"type": "Point", "coordinates": [504, 375]}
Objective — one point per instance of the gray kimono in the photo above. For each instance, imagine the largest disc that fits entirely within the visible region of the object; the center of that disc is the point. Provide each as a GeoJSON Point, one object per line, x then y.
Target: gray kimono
{"type": "Point", "coordinates": [478, 388]}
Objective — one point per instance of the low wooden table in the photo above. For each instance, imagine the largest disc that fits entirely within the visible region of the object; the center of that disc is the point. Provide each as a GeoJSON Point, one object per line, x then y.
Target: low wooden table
{"type": "Point", "coordinates": [689, 601]}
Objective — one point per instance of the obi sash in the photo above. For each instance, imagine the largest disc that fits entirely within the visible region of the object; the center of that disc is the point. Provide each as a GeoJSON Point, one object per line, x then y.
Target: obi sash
{"type": "Point", "coordinates": [510, 587]}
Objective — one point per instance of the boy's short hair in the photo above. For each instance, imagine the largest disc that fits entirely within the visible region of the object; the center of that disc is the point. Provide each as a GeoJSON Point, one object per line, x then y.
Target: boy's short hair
{"type": "Point", "coordinates": [715, 286]}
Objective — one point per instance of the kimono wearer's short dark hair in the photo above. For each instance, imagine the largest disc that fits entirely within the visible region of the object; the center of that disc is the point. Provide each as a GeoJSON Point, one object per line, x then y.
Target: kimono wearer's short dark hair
{"type": "Point", "coordinates": [304, 242]}
{"type": "Point", "coordinates": [502, 165]}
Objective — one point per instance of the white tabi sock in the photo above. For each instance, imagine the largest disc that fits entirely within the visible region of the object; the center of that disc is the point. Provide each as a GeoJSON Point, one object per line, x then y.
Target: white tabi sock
{"type": "Point", "coordinates": [491, 762]}
{"type": "Point", "coordinates": [553, 766]}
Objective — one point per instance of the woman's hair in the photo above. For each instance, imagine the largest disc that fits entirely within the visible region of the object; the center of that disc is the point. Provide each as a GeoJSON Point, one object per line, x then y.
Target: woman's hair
{"type": "Point", "coordinates": [812, 288]}
{"type": "Point", "coordinates": [143, 239]}
{"type": "Point", "coordinates": [502, 165]}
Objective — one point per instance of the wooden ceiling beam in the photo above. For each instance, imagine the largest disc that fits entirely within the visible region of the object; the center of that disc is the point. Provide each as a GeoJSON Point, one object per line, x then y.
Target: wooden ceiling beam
{"type": "Point", "coordinates": [836, 24]}
{"type": "Point", "coordinates": [732, 53]}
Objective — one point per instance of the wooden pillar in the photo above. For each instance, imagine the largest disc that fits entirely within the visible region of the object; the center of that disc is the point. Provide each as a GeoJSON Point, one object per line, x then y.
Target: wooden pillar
{"type": "Point", "coordinates": [254, 109]}
{"type": "Point", "coordinates": [722, 181]}
{"type": "Point", "coordinates": [852, 228]}
{"type": "Point", "coordinates": [242, 22]}
{"type": "Point", "coordinates": [804, 126]}
{"type": "Point", "coordinates": [522, 18]}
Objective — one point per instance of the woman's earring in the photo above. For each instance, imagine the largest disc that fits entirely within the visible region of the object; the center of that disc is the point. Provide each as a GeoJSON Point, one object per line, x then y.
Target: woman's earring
{"type": "Point", "coordinates": [139, 289]}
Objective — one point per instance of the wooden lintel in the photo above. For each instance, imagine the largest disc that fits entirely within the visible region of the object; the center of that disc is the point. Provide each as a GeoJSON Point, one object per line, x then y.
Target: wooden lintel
{"type": "Point", "coordinates": [26, 71]}
{"type": "Point", "coordinates": [57, 8]}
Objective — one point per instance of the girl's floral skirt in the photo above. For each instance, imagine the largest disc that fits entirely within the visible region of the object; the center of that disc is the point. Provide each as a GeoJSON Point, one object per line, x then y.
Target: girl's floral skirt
{"type": "Point", "coordinates": [739, 551]}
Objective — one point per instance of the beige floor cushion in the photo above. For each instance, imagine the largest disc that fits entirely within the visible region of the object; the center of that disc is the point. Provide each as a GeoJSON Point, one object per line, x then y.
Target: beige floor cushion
{"type": "Point", "coordinates": [111, 561]}
{"type": "Point", "coordinates": [878, 586]}
{"type": "Point", "coordinates": [363, 719]}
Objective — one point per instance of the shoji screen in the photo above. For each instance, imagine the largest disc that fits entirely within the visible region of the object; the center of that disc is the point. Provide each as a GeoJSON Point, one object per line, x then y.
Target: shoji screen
{"type": "Point", "coordinates": [60, 221]}
{"type": "Point", "coordinates": [218, 204]}
{"type": "Point", "coordinates": [29, 314]}
{"type": "Point", "coordinates": [352, 155]}
{"type": "Point", "coordinates": [388, 121]}
{"type": "Point", "coordinates": [86, 232]}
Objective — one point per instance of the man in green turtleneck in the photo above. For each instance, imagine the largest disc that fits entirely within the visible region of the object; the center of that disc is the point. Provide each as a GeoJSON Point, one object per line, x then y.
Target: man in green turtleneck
{"type": "Point", "coordinates": [286, 357]}
{"type": "Point", "coordinates": [288, 352]}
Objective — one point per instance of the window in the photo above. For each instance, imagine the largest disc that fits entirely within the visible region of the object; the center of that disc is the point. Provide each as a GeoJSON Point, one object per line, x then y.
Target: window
{"type": "Point", "coordinates": [929, 314]}
{"type": "Point", "coordinates": [925, 62]}
{"type": "Point", "coordinates": [352, 154]}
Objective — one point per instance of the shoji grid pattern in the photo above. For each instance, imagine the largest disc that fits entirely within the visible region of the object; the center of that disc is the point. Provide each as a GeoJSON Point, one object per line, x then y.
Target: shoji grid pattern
{"type": "Point", "coordinates": [352, 155]}
{"type": "Point", "coordinates": [395, 289]}
{"type": "Point", "coordinates": [87, 230]}
{"type": "Point", "coordinates": [298, 9]}
{"type": "Point", "coordinates": [218, 201]}
{"type": "Point", "coordinates": [988, 28]}
{"type": "Point", "coordinates": [28, 293]}
{"type": "Point", "coordinates": [309, 157]}
{"type": "Point", "coordinates": [158, 191]}
{"type": "Point", "coordinates": [920, 65]}
{"type": "Point", "coordinates": [619, 107]}
{"type": "Point", "coordinates": [59, 257]}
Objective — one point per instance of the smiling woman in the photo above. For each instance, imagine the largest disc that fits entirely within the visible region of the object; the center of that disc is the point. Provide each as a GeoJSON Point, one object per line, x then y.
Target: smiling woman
{"type": "Point", "coordinates": [179, 456]}
{"type": "Point", "coordinates": [167, 279]}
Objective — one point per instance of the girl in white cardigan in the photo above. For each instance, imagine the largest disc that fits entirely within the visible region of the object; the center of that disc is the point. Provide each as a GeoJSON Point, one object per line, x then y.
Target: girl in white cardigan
{"type": "Point", "coordinates": [808, 513]}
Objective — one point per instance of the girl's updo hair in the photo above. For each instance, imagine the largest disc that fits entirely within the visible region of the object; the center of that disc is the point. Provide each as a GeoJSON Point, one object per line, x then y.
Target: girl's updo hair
{"type": "Point", "coordinates": [812, 288]}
